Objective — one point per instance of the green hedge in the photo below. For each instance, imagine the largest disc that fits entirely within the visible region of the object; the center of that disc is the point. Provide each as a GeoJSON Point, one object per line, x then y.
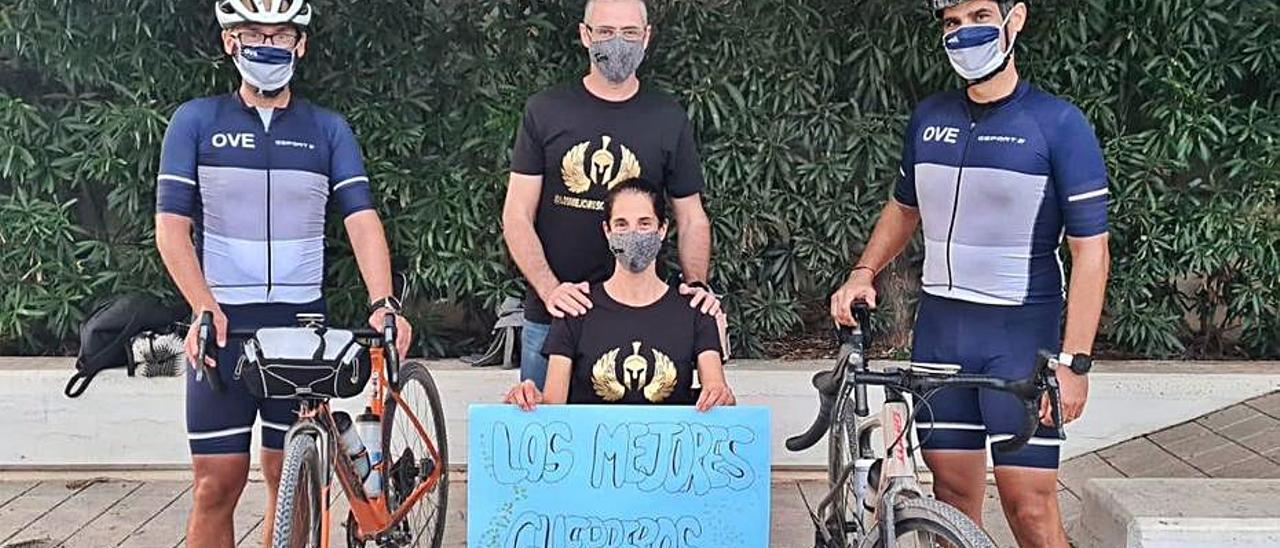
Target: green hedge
{"type": "Point", "coordinates": [799, 106]}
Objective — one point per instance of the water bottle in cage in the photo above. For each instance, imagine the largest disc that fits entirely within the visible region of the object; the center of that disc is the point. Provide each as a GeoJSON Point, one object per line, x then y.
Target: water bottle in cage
{"type": "Point", "coordinates": [369, 426]}
{"type": "Point", "coordinates": [351, 444]}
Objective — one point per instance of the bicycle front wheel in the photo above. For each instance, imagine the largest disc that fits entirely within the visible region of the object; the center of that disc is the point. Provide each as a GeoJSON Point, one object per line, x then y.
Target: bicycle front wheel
{"type": "Point", "coordinates": [413, 458]}
{"type": "Point", "coordinates": [298, 505]}
{"type": "Point", "coordinates": [929, 523]}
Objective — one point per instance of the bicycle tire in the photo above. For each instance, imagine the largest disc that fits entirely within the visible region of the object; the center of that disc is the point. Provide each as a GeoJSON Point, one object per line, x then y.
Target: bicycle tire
{"type": "Point", "coordinates": [299, 485]}
{"type": "Point", "coordinates": [934, 517]}
{"type": "Point", "coordinates": [414, 373]}
{"type": "Point", "coordinates": [839, 460]}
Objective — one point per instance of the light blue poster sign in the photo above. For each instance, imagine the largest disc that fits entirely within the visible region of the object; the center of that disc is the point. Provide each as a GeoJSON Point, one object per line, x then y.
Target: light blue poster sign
{"type": "Point", "coordinates": [587, 476]}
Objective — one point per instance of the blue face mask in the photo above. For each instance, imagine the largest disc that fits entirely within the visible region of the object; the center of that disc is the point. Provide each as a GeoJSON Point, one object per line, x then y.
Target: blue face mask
{"type": "Point", "coordinates": [974, 50]}
{"type": "Point", "coordinates": [268, 68]}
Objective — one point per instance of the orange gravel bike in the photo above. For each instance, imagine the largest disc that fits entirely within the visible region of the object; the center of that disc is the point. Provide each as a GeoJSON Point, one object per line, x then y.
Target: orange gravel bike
{"type": "Point", "coordinates": [407, 501]}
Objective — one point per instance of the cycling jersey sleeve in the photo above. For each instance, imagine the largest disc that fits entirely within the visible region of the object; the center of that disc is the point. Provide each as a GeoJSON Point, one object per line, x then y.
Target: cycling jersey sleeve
{"type": "Point", "coordinates": [1079, 175]}
{"type": "Point", "coordinates": [905, 191]}
{"type": "Point", "coordinates": [176, 187]}
{"type": "Point", "coordinates": [349, 184]}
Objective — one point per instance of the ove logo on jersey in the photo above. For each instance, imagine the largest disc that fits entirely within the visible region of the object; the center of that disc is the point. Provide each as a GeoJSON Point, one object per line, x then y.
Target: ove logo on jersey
{"type": "Point", "coordinates": [948, 135]}
{"type": "Point", "coordinates": [237, 140]}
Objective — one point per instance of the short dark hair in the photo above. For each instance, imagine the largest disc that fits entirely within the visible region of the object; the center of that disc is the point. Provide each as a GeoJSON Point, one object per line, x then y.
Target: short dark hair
{"type": "Point", "coordinates": [642, 187]}
{"type": "Point", "coordinates": [1005, 6]}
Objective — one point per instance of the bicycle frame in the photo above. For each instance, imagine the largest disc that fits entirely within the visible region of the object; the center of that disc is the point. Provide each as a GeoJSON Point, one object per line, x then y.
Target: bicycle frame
{"type": "Point", "coordinates": [898, 473]}
{"type": "Point", "coordinates": [372, 514]}
{"type": "Point", "coordinates": [845, 385]}
{"type": "Point", "coordinates": [898, 469]}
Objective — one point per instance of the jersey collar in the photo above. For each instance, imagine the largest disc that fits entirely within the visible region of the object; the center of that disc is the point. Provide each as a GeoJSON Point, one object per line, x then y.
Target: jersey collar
{"type": "Point", "coordinates": [239, 99]}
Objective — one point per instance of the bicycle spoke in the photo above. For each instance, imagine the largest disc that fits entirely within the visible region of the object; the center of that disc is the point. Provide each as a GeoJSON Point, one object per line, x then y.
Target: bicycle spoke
{"type": "Point", "coordinates": [415, 459]}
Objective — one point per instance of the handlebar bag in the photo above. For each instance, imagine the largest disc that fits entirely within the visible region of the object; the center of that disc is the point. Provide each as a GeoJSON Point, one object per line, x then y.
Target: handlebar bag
{"type": "Point", "coordinates": [304, 362]}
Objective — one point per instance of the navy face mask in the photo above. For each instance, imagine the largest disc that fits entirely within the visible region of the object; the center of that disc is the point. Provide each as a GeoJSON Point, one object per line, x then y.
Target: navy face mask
{"type": "Point", "coordinates": [268, 68]}
{"type": "Point", "coordinates": [974, 50]}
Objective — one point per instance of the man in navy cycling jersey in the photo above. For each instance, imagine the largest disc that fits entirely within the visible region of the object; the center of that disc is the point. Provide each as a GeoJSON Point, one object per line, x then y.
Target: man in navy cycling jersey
{"type": "Point", "coordinates": [997, 174]}
{"type": "Point", "coordinates": [250, 175]}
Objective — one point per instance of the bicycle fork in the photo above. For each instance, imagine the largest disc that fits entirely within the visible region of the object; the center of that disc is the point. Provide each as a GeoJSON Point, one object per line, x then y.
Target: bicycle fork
{"type": "Point", "coordinates": [326, 448]}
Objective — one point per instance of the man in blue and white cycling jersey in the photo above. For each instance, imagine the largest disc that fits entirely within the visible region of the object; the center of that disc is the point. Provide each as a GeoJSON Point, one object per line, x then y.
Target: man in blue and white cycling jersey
{"type": "Point", "coordinates": [251, 175]}
{"type": "Point", "coordinates": [997, 173]}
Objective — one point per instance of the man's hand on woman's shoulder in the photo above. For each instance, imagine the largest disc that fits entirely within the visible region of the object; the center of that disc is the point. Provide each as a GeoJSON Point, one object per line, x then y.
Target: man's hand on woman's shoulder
{"type": "Point", "coordinates": [569, 299]}
{"type": "Point", "coordinates": [701, 297]}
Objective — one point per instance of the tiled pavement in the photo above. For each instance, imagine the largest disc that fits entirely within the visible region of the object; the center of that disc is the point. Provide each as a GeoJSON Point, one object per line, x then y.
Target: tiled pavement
{"type": "Point", "coordinates": [1241, 441]}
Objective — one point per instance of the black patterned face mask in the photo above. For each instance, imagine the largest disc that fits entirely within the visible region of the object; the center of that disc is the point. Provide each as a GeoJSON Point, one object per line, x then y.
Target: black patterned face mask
{"type": "Point", "coordinates": [635, 250]}
{"type": "Point", "coordinates": [616, 58]}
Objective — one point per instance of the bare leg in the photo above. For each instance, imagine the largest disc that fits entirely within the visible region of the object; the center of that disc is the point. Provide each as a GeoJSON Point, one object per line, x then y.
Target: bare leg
{"type": "Point", "coordinates": [219, 480]}
{"type": "Point", "coordinates": [959, 479]}
{"type": "Point", "coordinates": [272, 459]}
{"type": "Point", "coordinates": [1030, 500]}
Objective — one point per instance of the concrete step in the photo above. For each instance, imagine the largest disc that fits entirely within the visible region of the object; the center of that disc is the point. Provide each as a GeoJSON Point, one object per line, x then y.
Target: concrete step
{"type": "Point", "coordinates": [1180, 513]}
{"type": "Point", "coordinates": [124, 422]}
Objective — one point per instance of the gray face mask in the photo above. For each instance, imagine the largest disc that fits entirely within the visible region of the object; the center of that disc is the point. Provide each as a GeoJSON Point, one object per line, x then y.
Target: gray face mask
{"type": "Point", "coordinates": [635, 250]}
{"type": "Point", "coordinates": [616, 58]}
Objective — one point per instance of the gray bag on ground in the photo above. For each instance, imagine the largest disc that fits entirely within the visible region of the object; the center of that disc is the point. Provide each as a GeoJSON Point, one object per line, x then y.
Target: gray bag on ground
{"type": "Point", "coordinates": [505, 348]}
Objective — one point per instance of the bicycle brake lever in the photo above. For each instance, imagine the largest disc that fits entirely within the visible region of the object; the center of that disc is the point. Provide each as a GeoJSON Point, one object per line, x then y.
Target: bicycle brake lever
{"type": "Point", "coordinates": [1055, 404]}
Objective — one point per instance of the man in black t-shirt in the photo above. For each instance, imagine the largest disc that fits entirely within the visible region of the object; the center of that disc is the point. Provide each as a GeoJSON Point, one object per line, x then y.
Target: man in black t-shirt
{"type": "Point", "coordinates": [576, 142]}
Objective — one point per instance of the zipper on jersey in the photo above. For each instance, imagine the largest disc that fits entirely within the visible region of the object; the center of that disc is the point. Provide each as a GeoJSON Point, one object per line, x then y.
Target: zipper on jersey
{"type": "Point", "coordinates": [955, 204]}
{"type": "Point", "coordinates": [267, 131]}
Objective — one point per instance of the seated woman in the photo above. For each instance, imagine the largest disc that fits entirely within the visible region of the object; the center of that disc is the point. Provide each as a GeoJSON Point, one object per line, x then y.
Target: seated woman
{"type": "Point", "coordinates": [641, 340]}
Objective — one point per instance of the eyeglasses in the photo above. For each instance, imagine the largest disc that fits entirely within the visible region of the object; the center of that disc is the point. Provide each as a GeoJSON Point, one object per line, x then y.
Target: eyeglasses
{"type": "Point", "coordinates": [286, 39]}
{"type": "Point", "coordinates": [630, 34]}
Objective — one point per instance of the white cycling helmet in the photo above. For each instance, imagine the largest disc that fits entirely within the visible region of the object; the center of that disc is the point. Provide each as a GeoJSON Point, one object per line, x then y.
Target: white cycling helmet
{"type": "Point", "coordinates": [265, 12]}
{"type": "Point", "coordinates": [938, 5]}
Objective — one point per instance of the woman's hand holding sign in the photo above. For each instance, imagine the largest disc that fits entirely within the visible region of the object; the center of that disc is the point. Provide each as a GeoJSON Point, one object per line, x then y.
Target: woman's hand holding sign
{"type": "Point", "coordinates": [525, 395]}
{"type": "Point", "coordinates": [715, 394]}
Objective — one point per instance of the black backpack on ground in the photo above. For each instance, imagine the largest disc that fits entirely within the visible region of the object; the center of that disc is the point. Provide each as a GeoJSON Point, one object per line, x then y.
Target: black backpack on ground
{"type": "Point", "coordinates": [106, 333]}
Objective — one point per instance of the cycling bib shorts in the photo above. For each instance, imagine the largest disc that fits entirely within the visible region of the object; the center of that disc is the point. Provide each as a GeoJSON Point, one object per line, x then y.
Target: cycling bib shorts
{"type": "Point", "coordinates": [1001, 341]}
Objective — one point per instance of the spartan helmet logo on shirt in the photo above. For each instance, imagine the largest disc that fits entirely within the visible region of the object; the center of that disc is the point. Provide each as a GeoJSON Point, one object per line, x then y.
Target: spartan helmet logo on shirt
{"type": "Point", "coordinates": [635, 370]}
{"type": "Point", "coordinates": [603, 168]}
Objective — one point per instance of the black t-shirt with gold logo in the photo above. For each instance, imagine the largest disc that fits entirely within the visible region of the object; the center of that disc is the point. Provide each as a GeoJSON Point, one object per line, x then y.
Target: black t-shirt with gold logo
{"type": "Point", "coordinates": [626, 354]}
{"type": "Point", "coordinates": [582, 145]}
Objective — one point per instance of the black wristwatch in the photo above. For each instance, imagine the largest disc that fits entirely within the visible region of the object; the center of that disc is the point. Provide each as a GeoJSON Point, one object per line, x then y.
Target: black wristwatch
{"type": "Point", "coordinates": [1079, 364]}
{"type": "Point", "coordinates": [391, 304]}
